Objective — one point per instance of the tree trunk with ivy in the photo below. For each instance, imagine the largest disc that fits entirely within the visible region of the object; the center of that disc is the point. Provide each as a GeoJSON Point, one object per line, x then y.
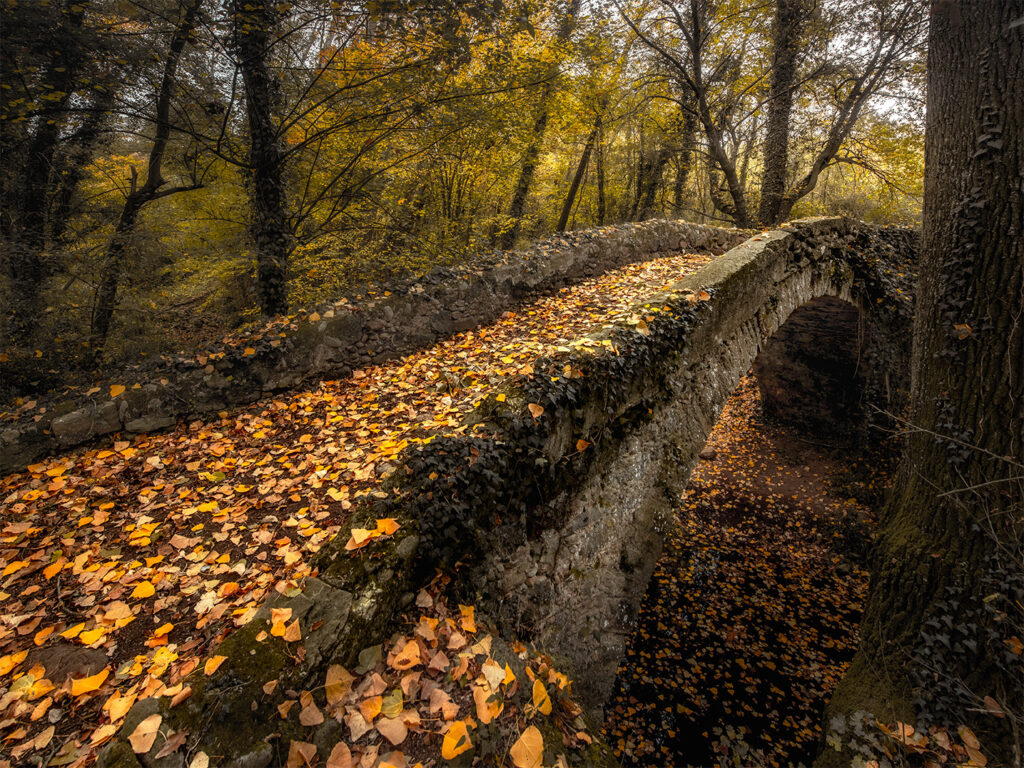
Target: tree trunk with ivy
{"type": "Point", "coordinates": [957, 497]}
{"type": "Point", "coordinates": [789, 18]}
{"type": "Point", "coordinates": [269, 229]}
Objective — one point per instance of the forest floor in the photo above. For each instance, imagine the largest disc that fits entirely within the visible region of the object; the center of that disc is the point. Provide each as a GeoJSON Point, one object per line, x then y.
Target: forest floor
{"type": "Point", "coordinates": [751, 616]}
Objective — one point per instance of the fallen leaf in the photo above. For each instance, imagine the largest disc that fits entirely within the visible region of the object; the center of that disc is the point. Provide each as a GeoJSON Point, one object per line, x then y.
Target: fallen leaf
{"type": "Point", "coordinates": [541, 700]}
{"type": "Point", "coordinates": [89, 684]}
{"type": "Point", "coordinates": [528, 751]}
{"type": "Point", "coordinates": [340, 757]}
{"type": "Point", "coordinates": [535, 410]}
{"type": "Point", "coordinates": [144, 735]}
{"type": "Point", "coordinates": [213, 664]}
{"type": "Point", "coordinates": [456, 741]}
{"type": "Point", "coordinates": [301, 754]}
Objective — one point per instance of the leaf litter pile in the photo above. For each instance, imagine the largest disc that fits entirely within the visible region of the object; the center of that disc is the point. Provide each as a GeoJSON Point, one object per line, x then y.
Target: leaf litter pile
{"type": "Point", "coordinates": [751, 616]}
{"type": "Point", "coordinates": [446, 686]}
{"type": "Point", "coordinates": [121, 566]}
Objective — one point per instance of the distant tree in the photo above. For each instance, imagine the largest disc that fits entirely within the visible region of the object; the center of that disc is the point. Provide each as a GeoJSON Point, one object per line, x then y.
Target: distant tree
{"type": "Point", "coordinates": [867, 46]}
{"type": "Point", "coordinates": [152, 188]}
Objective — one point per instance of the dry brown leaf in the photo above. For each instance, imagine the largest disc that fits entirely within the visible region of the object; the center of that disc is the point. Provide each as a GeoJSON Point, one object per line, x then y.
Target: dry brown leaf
{"type": "Point", "coordinates": [144, 735]}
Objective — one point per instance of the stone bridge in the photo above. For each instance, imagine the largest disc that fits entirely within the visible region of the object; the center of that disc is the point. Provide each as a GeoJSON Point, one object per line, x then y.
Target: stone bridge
{"type": "Point", "coordinates": [556, 537]}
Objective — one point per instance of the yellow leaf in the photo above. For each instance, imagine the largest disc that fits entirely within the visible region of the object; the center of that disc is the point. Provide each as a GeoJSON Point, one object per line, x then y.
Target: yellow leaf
{"type": "Point", "coordinates": [541, 700]}
{"type": "Point", "coordinates": [11, 660]}
{"type": "Point", "coordinates": [212, 664]}
{"type": "Point", "coordinates": [143, 590]}
{"type": "Point", "coordinates": [360, 538]}
{"type": "Point", "coordinates": [535, 410]}
{"type": "Point", "coordinates": [528, 751]}
{"type": "Point", "coordinates": [456, 741]}
{"type": "Point", "coordinates": [249, 352]}
{"type": "Point", "coordinates": [103, 734]}
{"type": "Point", "coordinates": [89, 684]}
{"type": "Point", "coordinates": [144, 735]}
{"type": "Point", "coordinates": [116, 389]}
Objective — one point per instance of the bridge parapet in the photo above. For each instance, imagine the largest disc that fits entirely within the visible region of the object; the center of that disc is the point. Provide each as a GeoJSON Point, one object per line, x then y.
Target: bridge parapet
{"type": "Point", "coordinates": [331, 341]}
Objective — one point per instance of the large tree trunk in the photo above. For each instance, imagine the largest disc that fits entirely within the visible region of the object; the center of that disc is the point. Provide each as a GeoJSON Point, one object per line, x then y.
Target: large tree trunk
{"type": "Point", "coordinates": [966, 434]}
{"type": "Point", "coordinates": [789, 18]}
{"type": "Point", "coordinates": [269, 228]}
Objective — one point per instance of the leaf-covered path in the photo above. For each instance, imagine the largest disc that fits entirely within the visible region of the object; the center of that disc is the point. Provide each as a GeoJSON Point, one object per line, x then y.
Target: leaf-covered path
{"type": "Point", "coordinates": [751, 616]}
{"type": "Point", "coordinates": [121, 566]}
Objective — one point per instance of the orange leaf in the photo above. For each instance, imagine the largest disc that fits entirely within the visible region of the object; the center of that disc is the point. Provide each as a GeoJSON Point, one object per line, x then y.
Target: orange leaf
{"type": "Point", "coordinates": [408, 657]}
{"type": "Point", "coordinates": [143, 589]}
{"type": "Point", "coordinates": [370, 708]}
{"type": "Point", "coordinates": [392, 729]}
{"type": "Point", "coordinates": [89, 684]}
{"type": "Point", "coordinates": [360, 538]}
{"type": "Point", "coordinates": [535, 410]}
{"type": "Point", "coordinates": [387, 526]}
{"type": "Point", "coordinates": [301, 754]}
{"type": "Point", "coordinates": [292, 633]}
{"type": "Point", "coordinates": [212, 664]}
{"type": "Point", "coordinates": [456, 741]}
{"type": "Point", "coordinates": [340, 757]}
{"type": "Point", "coordinates": [116, 389]}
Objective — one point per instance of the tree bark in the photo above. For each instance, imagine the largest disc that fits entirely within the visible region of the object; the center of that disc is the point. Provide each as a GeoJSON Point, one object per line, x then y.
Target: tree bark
{"type": "Point", "coordinates": [599, 163]}
{"type": "Point", "coordinates": [26, 258]}
{"type": "Point", "coordinates": [577, 179]}
{"type": "Point", "coordinates": [967, 391]}
{"type": "Point", "coordinates": [115, 262]}
{"type": "Point", "coordinates": [786, 31]}
{"type": "Point", "coordinates": [269, 228]}
{"type": "Point", "coordinates": [540, 124]}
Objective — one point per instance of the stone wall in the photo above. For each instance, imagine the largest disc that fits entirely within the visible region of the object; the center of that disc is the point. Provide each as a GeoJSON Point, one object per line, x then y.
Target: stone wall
{"type": "Point", "coordinates": [334, 340]}
{"type": "Point", "coordinates": [557, 514]}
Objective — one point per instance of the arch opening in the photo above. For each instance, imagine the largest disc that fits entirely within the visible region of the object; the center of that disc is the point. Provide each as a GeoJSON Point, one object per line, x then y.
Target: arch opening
{"type": "Point", "coordinates": [811, 373]}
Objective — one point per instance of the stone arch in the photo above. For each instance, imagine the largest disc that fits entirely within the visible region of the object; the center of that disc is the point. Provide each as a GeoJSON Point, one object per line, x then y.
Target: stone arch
{"type": "Point", "coordinates": [798, 284]}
